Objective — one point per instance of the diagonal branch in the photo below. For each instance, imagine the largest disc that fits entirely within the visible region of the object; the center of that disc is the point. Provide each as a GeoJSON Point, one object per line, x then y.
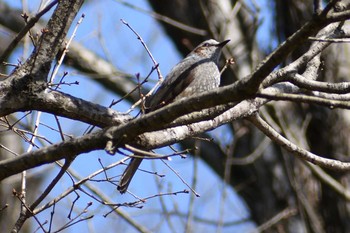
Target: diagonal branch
{"type": "Point", "coordinates": [39, 63]}
{"type": "Point", "coordinates": [294, 149]}
{"type": "Point", "coordinates": [25, 30]}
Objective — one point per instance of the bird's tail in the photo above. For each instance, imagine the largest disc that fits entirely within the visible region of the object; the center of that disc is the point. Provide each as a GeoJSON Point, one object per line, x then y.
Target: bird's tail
{"type": "Point", "coordinates": [128, 174]}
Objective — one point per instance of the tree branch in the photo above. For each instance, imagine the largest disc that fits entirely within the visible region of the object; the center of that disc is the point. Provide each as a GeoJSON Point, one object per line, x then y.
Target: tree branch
{"type": "Point", "coordinates": [294, 149]}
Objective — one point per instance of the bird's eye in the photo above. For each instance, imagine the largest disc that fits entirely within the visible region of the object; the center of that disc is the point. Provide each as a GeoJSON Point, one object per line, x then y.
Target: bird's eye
{"type": "Point", "coordinates": [206, 45]}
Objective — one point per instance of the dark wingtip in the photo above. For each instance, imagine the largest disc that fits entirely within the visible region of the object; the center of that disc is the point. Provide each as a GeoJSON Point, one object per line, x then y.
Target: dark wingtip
{"type": "Point", "coordinates": [122, 189]}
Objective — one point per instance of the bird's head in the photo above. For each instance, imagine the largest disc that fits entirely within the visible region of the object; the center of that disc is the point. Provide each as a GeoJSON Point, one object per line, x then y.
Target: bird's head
{"type": "Point", "coordinates": [209, 49]}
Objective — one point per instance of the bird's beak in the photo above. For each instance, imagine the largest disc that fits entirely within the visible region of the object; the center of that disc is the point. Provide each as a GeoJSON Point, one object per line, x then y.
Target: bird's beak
{"type": "Point", "coordinates": [222, 44]}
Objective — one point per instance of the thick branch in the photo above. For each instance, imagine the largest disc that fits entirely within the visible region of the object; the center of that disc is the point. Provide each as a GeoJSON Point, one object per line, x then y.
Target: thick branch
{"type": "Point", "coordinates": [51, 154]}
{"type": "Point", "coordinates": [39, 63]}
{"type": "Point", "coordinates": [79, 57]}
{"type": "Point", "coordinates": [123, 134]}
{"type": "Point", "coordinates": [59, 104]}
{"type": "Point", "coordinates": [24, 31]}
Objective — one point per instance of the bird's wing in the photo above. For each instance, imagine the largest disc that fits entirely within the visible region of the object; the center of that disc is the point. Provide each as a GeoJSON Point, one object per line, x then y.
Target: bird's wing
{"type": "Point", "coordinates": [176, 81]}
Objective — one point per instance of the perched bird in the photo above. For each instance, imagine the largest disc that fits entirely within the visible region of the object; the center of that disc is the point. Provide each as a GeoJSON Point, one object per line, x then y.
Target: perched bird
{"type": "Point", "coordinates": [196, 73]}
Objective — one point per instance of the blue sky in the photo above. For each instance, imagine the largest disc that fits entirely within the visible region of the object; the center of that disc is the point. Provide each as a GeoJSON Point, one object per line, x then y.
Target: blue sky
{"type": "Point", "coordinates": [127, 54]}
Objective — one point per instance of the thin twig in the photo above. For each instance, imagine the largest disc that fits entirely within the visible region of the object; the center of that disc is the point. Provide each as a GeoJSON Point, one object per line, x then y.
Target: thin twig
{"type": "Point", "coordinates": [284, 214]}
{"type": "Point", "coordinates": [156, 64]}
{"type": "Point", "coordinates": [182, 180]}
{"type": "Point", "coordinates": [75, 185]}
{"type": "Point", "coordinates": [228, 62]}
{"type": "Point", "coordinates": [65, 50]}
{"type": "Point", "coordinates": [53, 183]}
{"type": "Point", "coordinates": [28, 210]}
{"type": "Point", "coordinates": [75, 220]}
{"type": "Point", "coordinates": [138, 87]}
{"type": "Point", "coordinates": [306, 99]}
{"type": "Point", "coordinates": [24, 31]}
{"type": "Point", "coordinates": [8, 150]}
{"type": "Point", "coordinates": [151, 155]}
{"type": "Point", "coordinates": [191, 207]}
{"type": "Point", "coordinates": [24, 173]}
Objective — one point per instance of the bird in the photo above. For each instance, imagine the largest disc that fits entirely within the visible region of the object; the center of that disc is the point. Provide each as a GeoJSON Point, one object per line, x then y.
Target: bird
{"type": "Point", "coordinates": [196, 73]}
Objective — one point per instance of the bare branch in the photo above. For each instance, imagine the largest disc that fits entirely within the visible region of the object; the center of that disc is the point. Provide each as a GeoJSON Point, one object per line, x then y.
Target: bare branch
{"type": "Point", "coordinates": [295, 150]}
{"type": "Point", "coordinates": [24, 31]}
